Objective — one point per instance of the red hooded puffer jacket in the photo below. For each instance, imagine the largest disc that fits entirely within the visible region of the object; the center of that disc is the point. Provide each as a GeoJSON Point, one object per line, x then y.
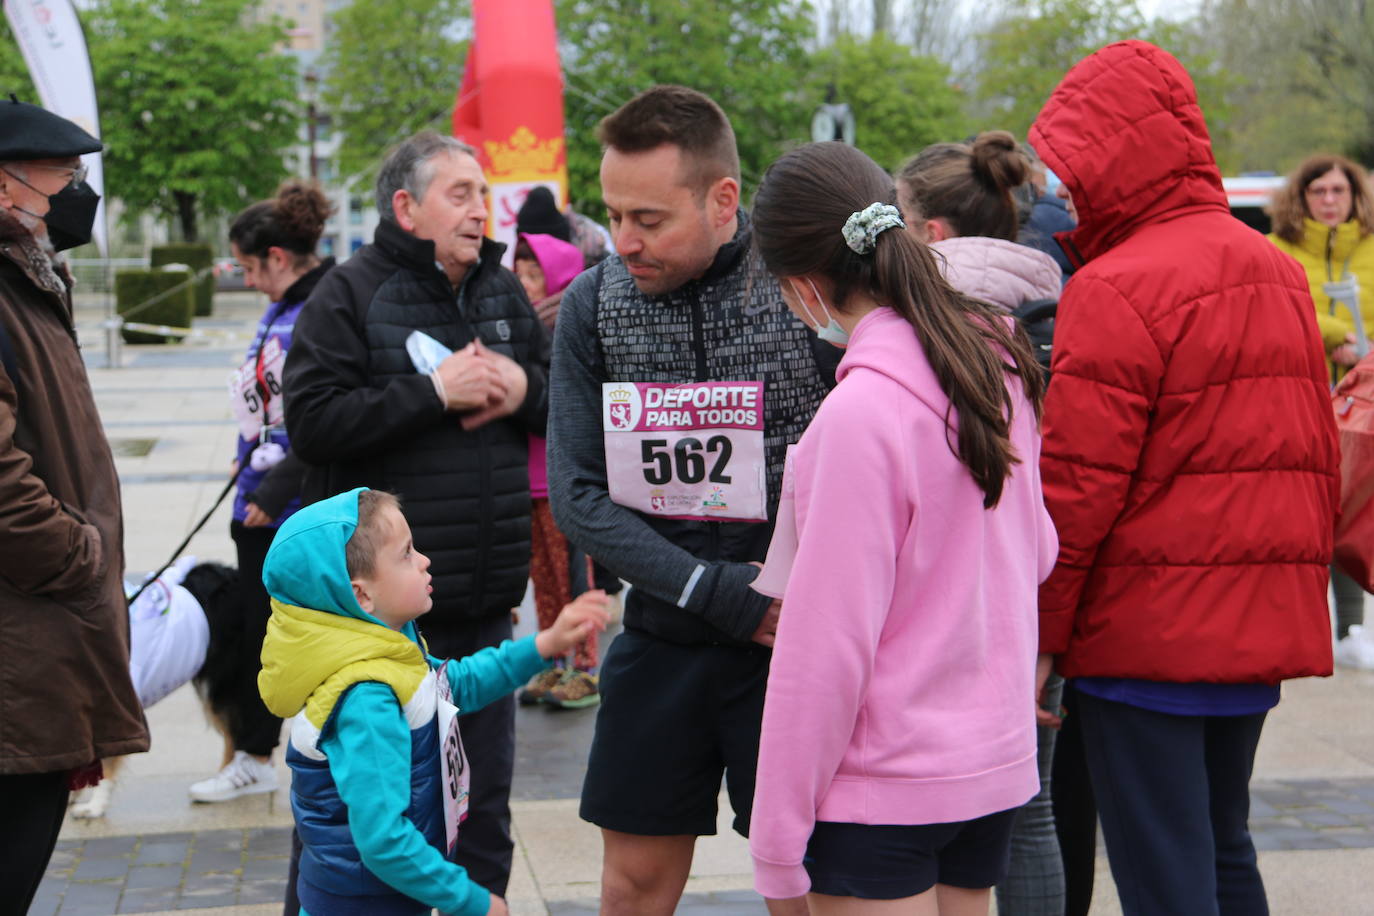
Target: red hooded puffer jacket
{"type": "Point", "coordinates": [1190, 459]}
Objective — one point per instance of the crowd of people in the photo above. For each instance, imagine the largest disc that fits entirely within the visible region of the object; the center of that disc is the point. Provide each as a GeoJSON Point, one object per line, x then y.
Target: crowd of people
{"type": "Point", "coordinates": [936, 558]}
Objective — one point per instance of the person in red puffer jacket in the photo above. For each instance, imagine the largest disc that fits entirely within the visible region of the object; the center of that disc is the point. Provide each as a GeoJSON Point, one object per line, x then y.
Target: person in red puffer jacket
{"type": "Point", "coordinates": [1191, 468]}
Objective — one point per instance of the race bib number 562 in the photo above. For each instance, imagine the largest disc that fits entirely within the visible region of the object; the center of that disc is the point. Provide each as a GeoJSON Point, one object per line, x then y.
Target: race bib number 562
{"type": "Point", "coordinates": [691, 451]}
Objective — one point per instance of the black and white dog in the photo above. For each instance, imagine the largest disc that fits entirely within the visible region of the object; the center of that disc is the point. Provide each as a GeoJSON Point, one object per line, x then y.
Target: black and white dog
{"type": "Point", "coordinates": [185, 626]}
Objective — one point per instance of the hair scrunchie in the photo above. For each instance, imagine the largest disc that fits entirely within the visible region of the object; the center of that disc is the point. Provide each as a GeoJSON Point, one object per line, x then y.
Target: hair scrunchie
{"type": "Point", "coordinates": [862, 229]}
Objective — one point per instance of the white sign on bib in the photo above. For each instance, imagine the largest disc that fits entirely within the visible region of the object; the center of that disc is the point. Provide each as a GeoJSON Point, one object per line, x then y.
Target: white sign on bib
{"type": "Point", "coordinates": [692, 451]}
{"type": "Point", "coordinates": [453, 767]}
{"type": "Point", "coordinates": [245, 397]}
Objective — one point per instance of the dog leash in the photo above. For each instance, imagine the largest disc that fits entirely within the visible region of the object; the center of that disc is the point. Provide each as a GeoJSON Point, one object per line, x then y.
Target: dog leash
{"type": "Point", "coordinates": [194, 531]}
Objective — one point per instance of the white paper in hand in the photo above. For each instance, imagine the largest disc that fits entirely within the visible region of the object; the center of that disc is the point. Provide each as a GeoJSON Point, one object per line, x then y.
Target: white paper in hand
{"type": "Point", "coordinates": [426, 353]}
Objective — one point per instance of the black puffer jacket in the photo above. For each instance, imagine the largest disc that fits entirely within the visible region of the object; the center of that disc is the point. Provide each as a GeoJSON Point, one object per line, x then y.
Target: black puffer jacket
{"type": "Point", "coordinates": [360, 414]}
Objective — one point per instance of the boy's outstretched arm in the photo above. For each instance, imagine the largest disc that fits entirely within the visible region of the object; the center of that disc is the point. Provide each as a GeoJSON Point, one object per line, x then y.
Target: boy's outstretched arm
{"type": "Point", "coordinates": [490, 674]}
{"type": "Point", "coordinates": [368, 745]}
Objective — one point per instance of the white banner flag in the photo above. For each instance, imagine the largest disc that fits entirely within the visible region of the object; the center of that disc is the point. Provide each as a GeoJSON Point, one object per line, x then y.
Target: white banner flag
{"type": "Point", "coordinates": [54, 47]}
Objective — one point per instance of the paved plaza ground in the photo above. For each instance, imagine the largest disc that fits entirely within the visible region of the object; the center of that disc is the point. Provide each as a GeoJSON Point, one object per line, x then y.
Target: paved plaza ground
{"type": "Point", "coordinates": [165, 411]}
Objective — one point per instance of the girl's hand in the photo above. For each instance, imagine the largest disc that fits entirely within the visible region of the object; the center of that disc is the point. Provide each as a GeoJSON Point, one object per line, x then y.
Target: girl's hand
{"type": "Point", "coordinates": [586, 613]}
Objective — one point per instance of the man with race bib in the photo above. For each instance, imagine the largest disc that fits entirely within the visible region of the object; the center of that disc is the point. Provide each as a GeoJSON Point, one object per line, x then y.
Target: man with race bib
{"type": "Point", "coordinates": [679, 377]}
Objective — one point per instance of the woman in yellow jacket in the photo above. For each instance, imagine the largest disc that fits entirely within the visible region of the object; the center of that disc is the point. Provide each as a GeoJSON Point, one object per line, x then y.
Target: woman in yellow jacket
{"type": "Point", "coordinates": [1324, 217]}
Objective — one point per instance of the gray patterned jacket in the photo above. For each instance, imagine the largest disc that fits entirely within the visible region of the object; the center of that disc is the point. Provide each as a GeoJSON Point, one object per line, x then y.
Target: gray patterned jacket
{"type": "Point", "coordinates": [691, 579]}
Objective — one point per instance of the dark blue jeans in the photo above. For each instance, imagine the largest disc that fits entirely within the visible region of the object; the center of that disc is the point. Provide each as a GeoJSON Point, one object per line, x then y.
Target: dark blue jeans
{"type": "Point", "coordinates": [1173, 793]}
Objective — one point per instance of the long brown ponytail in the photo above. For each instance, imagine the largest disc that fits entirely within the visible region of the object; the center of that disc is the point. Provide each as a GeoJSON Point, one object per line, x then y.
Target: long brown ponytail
{"type": "Point", "coordinates": [800, 209]}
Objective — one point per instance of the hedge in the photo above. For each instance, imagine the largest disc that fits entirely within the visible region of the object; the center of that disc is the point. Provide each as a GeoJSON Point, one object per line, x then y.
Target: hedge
{"type": "Point", "coordinates": [134, 287]}
{"type": "Point", "coordinates": [197, 257]}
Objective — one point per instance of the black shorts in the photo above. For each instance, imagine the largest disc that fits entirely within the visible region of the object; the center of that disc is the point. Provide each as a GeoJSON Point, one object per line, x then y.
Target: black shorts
{"type": "Point", "coordinates": [672, 720]}
{"type": "Point", "coordinates": [881, 862]}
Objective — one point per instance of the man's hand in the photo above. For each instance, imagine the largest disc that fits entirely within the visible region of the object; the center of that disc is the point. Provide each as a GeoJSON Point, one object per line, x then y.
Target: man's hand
{"type": "Point", "coordinates": [587, 612]}
{"type": "Point", "coordinates": [510, 389]}
{"type": "Point", "coordinates": [254, 517]}
{"type": "Point", "coordinates": [1044, 664]}
{"type": "Point", "coordinates": [767, 633]}
{"type": "Point", "coordinates": [497, 907]}
{"type": "Point", "coordinates": [470, 381]}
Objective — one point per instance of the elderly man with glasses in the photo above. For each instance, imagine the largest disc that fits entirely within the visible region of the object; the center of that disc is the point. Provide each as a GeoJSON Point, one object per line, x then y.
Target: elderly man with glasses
{"type": "Point", "coordinates": [66, 699]}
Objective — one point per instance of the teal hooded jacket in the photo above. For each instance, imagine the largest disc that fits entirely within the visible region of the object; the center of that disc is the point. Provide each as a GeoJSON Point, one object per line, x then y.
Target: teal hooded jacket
{"type": "Point", "coordinates": [364, 747]}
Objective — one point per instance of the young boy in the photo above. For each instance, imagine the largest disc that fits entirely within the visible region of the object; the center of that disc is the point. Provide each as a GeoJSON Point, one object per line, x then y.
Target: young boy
{"type": "Point", "coordinates": [378, 772]}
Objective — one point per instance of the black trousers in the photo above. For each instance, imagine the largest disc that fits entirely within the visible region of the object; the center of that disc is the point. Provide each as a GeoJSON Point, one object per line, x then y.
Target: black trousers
{"type": "Point", "coordinates": [32, 807]}
{"type": "Point", "coordinates": [1075, 809]}
{"type": "Point", "coordinates": [485, 847]}
{"type": "Point", "coordinates": [251, 726]}
{"type": "Point", "coordinates": [1174, 795]}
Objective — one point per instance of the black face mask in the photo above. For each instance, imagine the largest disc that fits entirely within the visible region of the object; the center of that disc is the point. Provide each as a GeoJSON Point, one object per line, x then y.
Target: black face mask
{"type": "Point", "coordinates": [71, 215]}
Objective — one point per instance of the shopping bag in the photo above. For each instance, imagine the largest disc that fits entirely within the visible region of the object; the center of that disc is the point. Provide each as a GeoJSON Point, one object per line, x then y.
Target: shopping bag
{"type": "Point", "coordinates": [1353, 400]}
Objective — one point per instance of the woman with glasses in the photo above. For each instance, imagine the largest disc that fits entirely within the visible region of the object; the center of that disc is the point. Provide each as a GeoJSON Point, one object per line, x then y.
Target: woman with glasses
{"type": "Point", "coordinates": [1324, 217]}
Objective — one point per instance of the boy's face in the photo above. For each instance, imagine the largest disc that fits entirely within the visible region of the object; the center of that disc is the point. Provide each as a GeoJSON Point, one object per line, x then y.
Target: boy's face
{"type": "Point", "coordinates": [398, 589]}
{"type": "Point", "coordinates": [532, 278]}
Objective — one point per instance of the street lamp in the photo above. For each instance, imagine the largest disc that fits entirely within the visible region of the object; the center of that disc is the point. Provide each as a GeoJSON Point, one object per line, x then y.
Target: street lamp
{"type": "Point", "coordinates": [833, 120]}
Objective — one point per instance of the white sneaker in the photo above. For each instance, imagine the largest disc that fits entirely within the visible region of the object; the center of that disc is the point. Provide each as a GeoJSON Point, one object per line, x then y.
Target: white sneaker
{"type": "Point", "coordinates": [244, 775]}
{"type": "Point", "coordinates": [1356, 650]}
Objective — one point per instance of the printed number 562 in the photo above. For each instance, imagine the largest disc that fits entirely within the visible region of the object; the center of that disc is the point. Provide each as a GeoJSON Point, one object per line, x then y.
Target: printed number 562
{"type": "Point", "coordinates": [687, 457]}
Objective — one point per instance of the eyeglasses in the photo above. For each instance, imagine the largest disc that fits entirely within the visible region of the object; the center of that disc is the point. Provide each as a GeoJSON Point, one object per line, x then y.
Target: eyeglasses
{"type": "Point", "coordinates": [77, 174]}
{"type": "Point", "coordinates": [1313, 191]}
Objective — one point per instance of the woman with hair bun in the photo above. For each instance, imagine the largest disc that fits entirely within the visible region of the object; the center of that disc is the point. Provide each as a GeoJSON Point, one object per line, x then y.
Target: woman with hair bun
{"type": "Point", "coordinates": [958, 197]}
{"type": "Point", "coordinates": [274, 241]}
{"type": "Point", "coordinates": [898, 738]}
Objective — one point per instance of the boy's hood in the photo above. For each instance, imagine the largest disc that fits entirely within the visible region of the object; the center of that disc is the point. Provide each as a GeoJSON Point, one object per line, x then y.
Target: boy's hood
{"type": "Point", "coordinates": [305, 565]}
{"type": "Point", "coordinates": [561, 261]}
{"type": "Point", "coordinates": [310, 658]}
{"type": "Point", "coordinates": [319, 640]}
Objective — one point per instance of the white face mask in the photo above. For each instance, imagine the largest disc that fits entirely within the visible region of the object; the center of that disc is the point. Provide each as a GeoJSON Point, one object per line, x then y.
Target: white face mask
{"type": "Point", "coordinates": [832, 333]}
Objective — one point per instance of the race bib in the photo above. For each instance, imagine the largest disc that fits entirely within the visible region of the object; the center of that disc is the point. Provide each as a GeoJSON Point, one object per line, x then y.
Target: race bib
{"type": "Point", "coordinates": [245, 398]}
{"type": "Point", "coordinates": [692, 451]}
{"type": "Point", "coordinates": [453, 761]}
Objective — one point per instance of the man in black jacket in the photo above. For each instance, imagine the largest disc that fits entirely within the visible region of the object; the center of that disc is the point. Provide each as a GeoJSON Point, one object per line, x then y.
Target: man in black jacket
{"type": "Point", "coordinates": [452, 443]}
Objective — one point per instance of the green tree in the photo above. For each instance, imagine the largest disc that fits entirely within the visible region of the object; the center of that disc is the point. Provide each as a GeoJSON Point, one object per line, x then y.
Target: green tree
{"type": "Point", "coordinates": [1026, 53]}
{"type": "Point", "coordinates": [902, 101]}
{"type": "Point", "coordinates": [393, 67]}
{"type": "Point", "coordinates": [748, 55]}
{"type": "Point", "coordinates": [197, 106]}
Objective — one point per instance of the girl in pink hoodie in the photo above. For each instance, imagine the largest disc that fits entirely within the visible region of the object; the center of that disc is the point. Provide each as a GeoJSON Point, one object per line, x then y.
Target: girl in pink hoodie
{"type": "Point", "coordinates": [898, 730]}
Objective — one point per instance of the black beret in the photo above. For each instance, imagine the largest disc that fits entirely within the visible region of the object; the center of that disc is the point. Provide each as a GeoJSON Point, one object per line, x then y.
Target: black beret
{"type": "Point", "coordinates": [539, 216]}
{"type": "Point", "coordinates": [30, 132]}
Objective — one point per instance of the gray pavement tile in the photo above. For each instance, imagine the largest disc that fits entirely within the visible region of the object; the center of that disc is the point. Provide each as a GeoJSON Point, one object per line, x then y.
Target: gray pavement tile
{"type": "Point", "coordinates": [265, 891]}
{"type": "Point", "coordinates": [219, 839]}
{"type": "Point", "coordinates": [62, 859]}
{"type": "Point", "coordinates": [1326, 819]}
{"type": "Point", "coordinates": [149, 876]}
{"type": "Point", "coordinates": [97, 869]}
{"type": "Point", "coordinates": [274, 868]}
{"type": "Point", "coordinates": [91, 899]}
{"type": "Point", "coordinates": [185, 836]}
{"type": "Point", "coordinates": [572, 907]}
{"type": "Point", "coordinates": [45, 903]}
{"type": "Point", "coordinates": [156, 851]}
{"type": "Point", "coordinates": [216, 861]}
{"type": "Point", "coordinates": [106, 846]}
{"type": "Point", "coordinates": [207, 901]}
{"type": "Point", "coordinates": [1353, 807]}
{"type": "Point", "coordinates": [69, 844]}
{"type": "Point", "coordinates": [148, 900]}
{"type": "Point", "coordinates": [272, 841]}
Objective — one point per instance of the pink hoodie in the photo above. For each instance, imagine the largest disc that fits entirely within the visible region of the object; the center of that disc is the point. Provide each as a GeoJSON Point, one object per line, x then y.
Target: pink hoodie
{"type": "Point", "coordinates": [902, 683]}
{"type": "Point", "coordinates": [561, 262]}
